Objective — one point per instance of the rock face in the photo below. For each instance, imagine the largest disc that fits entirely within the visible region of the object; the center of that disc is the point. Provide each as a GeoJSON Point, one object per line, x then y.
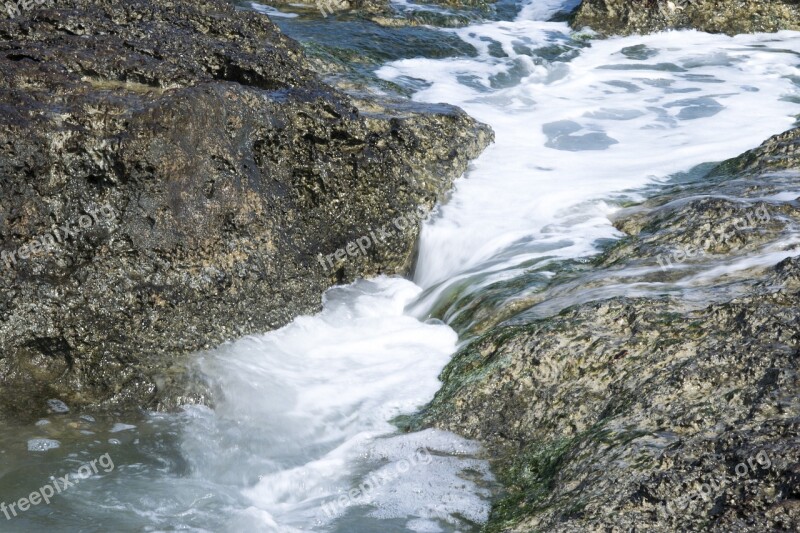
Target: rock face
{"type": "Point", "coordinates": [780, 152]}
{"type": "Point", "coordinates": [172, 176]}
{"type": "Point", "coordinates": [624, 17]}
{"type": "Point", "coordinates": [675, 410]}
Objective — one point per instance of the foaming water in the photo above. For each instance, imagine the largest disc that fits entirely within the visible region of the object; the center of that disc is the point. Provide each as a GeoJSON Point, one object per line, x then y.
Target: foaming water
{"type": "Point", "coordinates": [302, 437]}
{"type": "Point", "coordinates": [573, 137]}
{"type": "Point", "coordinates": [546, 9]}
{"type": "Point", "coordinates": [307, 405]}
{"type": "Point", "coordinates": [580, 130]}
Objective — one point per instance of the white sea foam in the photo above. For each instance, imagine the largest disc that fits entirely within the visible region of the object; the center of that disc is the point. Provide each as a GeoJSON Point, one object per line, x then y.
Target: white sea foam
{"type": "Point", "coordinates": [308, 406]}
{"type": "Point", "coordinates": [42, 445]}
{"type": "Point", "coordinates": [545, 9]}
{"type": "Point", "coordinates": [304, 415]}
{"type": "Point", "coordinates": [624, 113]}
{"type": "Point", "coordinates": [272, 11]}
{"type": "Point", "coordinates": [304, 405]}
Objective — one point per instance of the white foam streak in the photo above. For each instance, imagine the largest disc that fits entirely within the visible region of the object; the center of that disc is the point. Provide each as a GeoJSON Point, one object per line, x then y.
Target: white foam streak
{"type": "Point", "coordinates": [546, 9]}
{"type": "Point", "coordinates": [571, 134]}
{"type": "Point", "coordinates": [309, 400]}
{"type": "Point", "coordinates": [308, 406]}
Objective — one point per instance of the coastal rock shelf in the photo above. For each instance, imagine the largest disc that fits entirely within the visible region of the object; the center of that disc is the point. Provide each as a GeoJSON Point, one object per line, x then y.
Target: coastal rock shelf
{"type": "Point", "coordinates": [625, 17]}
{"type": "Point", "coordinates": [657, 413]}
{"type": "Point", "coordinates": [225, 168]}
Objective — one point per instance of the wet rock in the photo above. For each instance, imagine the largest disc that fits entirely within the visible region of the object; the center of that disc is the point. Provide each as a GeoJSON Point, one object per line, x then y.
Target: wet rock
{"type": "Point", "coordinates": [421, 17]}
{"type": "Point", "coordinates": [625, 17]}
{"type": "Point", "coordinates": [725, 215]}
{"type": "Point", "coordinates": [671, 405]}
{"type": "Point", "coordinates": [173, 176]}
{"type": "Point", "coordinates": [779, 152]}
{"type": "Point", "coordinates": [689, 230]}
{"type": "Point", "coordinates": [609, 414]}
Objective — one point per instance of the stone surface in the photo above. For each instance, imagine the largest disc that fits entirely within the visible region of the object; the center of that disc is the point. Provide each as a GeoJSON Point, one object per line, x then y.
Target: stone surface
{"type": "Point", "coordinates": [624, 17]}
{"type": "Point", "coordinates": [211, 168]}
{"type": "Point", "coordinates": [779, 152]}
{"type": "Point", "coordinates": [677, 409]}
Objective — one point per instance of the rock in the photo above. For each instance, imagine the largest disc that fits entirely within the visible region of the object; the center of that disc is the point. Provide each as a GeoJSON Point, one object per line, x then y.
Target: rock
{"type": "Point", "coordinates": [421, 17]}
{"type": "Point", "coordinates": [779, 152]}
{"type": "Point", "coordinates": [674, 410]}
{"type": "Point", "coordinates": [625, 17]}
{"type": "Point", "coordinates": [173, 176]}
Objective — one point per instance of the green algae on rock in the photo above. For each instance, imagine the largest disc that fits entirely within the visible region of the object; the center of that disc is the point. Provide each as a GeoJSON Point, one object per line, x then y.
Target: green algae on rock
{"type": "Point", "coordinates": [779, 152]}
{"type": "Point", "coordinates": [673, 410]}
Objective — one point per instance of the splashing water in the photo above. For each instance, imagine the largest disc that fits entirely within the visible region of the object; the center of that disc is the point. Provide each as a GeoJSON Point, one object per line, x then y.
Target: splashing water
{"type": "Point", "coordinates": [302, 439]}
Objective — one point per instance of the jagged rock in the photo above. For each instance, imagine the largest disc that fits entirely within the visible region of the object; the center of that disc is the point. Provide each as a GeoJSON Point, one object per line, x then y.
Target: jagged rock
{"type": "Point", "coordinates": [674, 410]}
{"type": "Point", "coordinates": [624, 17]}
{"type": "Point", "coordinates": [779, 152]}
{"type": "Point", "coordinates": [206, 169]}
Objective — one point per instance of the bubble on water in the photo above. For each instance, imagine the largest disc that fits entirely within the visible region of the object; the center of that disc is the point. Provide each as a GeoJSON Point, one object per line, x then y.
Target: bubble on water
{"type": "Point", "coordinates": [121, 427]}
{"type": "Point", "coordinates": [42, 445]}
{"type": "Point", "coordinates": [57, 406]}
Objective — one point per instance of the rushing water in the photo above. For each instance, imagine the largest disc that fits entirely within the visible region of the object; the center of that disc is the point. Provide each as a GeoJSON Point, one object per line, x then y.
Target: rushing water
{"type": "Point", "coordinates": [302, 438]}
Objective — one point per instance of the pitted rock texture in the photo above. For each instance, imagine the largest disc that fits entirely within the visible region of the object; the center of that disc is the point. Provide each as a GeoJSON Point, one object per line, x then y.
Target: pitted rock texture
{"type": "Point", "coordinates": [625, 17]}
{"type": "Point", "coordinates": [218, 168]}
{"type": "Point", "coordinates": [779, 152]}
{"type": "Point", "coordinates": [674, 409]}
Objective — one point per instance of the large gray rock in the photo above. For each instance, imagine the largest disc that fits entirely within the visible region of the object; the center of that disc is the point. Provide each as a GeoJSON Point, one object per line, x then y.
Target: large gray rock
{"type": "Point", "coordinates": [624, 17]}
{"type": "Point", "coordinates": [675, 410]}
{"type": "Point", "coordinates": [208, 172]}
